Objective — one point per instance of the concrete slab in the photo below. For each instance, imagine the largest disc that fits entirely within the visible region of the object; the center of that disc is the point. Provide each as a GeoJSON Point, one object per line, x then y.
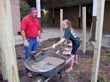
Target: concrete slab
{"type": "Point", "coordinates": [54, 32]}
{"type": "Point", "coordinates": [18, 39]}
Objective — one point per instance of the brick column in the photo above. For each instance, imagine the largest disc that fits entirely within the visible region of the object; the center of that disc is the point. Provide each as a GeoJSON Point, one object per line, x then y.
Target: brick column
{"type": "Point", "coordinates": [15, 10]}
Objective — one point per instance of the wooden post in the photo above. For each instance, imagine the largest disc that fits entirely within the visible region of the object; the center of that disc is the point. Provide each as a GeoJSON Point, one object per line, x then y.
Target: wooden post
{"type": "Point", "coordinates": [3, 64]}
{"type": "Point", "coordinates": [98, 39]}
{"type": "Point", "coordinates": [7, 41]}
{"type": "Point", "coordinates": [2, 58]}
{"type": "Point", "coordinates": [84, 28]}
{"type": "Point", "coordinates": [61, 19]}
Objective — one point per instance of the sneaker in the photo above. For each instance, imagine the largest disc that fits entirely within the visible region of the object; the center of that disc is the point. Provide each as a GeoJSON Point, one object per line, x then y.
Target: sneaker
{"type": "Point", "coordinates": [68, 70]}
{"type": "Point", "coordinates": [29, 74]}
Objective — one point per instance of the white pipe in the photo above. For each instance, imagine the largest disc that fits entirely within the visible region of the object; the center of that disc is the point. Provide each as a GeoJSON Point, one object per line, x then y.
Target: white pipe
{"type": "Point", "coordinates": [38, 8]}
{"type": "Point", "coordinates": [95, 7]}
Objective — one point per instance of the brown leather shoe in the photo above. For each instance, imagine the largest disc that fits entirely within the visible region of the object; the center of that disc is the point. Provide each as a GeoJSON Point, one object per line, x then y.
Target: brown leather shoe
{"type": "Point", "coordinates": [29, 74]}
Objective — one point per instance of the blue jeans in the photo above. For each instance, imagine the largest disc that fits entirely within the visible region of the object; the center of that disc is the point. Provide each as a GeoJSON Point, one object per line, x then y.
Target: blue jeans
{"type": "Point", "coordinates": [32, 47]}
{"type": "Point", "coordinates": [74, 48]}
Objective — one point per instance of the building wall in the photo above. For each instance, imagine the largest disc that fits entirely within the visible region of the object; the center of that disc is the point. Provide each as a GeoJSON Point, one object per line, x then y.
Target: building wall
{"type": "Point", "coordinates": [47, 17]}
{"type": "Point", "coordinates": [15, 9]}
{"type": "Point", "coordinates": [70, 13]}
{"type": "Point", "coordinates": [57, 16]}
{"type": "Point", "coordinates": [107, 16]}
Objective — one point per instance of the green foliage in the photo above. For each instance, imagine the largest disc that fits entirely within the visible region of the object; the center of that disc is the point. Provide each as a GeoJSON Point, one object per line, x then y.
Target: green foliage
{"type": "Point", "coordinates": [79, 68]}
{"type": "Point", "coordinates": [107, 53]}
{"type": "Point", "coordinates": [107, 59]}
{"type": "Point", "coordinates": [24, 9]}
{"type": "Point", "coordinates": [102, 78]}
{"type": "Point", "coordinates": [91, 62]}
{"type": "Point", "coordinates": [41, 31]}
{"type": "Point", "coordinates": [54, 50]}
{"type": "Point", "coordinates": [87, 68]}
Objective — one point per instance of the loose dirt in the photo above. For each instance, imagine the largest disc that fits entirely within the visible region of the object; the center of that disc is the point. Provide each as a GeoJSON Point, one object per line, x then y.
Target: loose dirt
{"type": "Point", "coordinates": [81, 72]}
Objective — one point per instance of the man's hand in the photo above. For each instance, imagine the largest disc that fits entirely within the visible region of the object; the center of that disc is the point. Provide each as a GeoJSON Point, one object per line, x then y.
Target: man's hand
{"type": "Point", "coordinates": [40, 41]}
{"type": "Point", "coordinates": [26, 43]}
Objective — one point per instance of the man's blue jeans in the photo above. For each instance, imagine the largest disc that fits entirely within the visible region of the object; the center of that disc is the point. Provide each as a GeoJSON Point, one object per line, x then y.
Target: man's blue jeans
{"type": "Point", "coordinates": [32, 47]}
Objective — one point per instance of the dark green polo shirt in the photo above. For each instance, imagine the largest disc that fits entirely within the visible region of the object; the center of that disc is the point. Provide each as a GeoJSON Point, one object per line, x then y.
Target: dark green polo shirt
{"type": "Point", "coordinates": [70, 34]}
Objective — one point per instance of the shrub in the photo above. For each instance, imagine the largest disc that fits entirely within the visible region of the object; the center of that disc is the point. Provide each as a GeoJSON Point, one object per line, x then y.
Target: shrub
{"type": "Point", "coordinates": [107, 53]}
{"type": "Point", "coordinates": [102, 78]}
{"type": "Point", "coordinates": [24, 9]}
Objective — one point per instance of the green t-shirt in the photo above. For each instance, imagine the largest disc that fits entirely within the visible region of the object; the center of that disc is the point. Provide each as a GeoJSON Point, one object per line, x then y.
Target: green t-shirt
{"type": "Point", "coordinates": [70, 34]}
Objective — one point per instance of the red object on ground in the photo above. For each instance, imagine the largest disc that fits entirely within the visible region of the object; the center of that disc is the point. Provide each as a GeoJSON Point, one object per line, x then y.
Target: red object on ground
{"type": "Point", "coordinates": [19, 33]}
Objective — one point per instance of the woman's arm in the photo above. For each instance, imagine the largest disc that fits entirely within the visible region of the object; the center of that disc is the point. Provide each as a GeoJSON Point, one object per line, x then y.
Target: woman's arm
{"type": "Point", "coordinates": [65, 42]}
{"type": "Point", "coordinates": [61, 41]}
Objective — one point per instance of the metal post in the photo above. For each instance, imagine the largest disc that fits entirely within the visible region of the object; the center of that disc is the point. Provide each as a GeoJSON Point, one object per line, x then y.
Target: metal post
{"type": "Point", "coordinates": [53, 17]}
{"type": "Point", "coordinates": [93, 28]}
{"type": "Point", "coordinates": [98, 39]}
{"type": "Point", "coordinates": [61, 19]}
{"type": "Point", "coordinates": [84, 28]}
{"type": "Point", "coordinates": [79, 15]}
{"type": "Point", "coordinates": [7, 41]}
{"type": "Point", "coordinates": [38, 6]}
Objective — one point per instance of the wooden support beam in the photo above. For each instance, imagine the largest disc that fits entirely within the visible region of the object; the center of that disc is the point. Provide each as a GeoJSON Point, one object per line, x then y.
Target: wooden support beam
{"type": "Point", "coordinates": [7, 41]}
{"type": "Point", "coordinates": [3, 64]}
{"type": "Point", "coordinates": [84, 28]}
{"type": "Point", "coordinates": [2, 59]}
{"type": "Point", "coordinates": [61, 19]}
{"type": "Point", "coordinates": [98, 39]}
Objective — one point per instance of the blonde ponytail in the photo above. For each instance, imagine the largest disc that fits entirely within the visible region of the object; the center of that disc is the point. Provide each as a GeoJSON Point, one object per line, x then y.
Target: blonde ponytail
{"type": "Point", "coordinates": [69, 24]}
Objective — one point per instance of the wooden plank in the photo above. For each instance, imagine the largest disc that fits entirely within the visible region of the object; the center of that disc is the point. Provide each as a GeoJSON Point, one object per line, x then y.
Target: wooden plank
{"type": "Point", "coordinates": [98, 39]}
{"type": "Point", "coordinates": [7, 41]}
{"type": "Point", "coordinates": [67, 49]}
{"type": "Point", "coordinates": [66, 52]}
{"type": "Point", "coordinates": [61, 19]}
{"type": "Point", "coordinates": [70, 44]}
{"type": "Point", "coordinates": [84, 29]}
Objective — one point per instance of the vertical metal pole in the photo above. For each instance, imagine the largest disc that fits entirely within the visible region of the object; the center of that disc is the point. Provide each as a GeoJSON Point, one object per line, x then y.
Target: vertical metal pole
{"type": "Point", "coordinates": [38, 6]}
{"type": "Point", "coordinates": [7, 41]}
{"type": "Point", "coordinates": [79, 15]}
{"type": "Point", "coordinates": [98, 39]}
{"type": "Point", "coordinates": [61, 19]}
{"type": "Point", "coordinates": [84, 28]}
{"type": "Point", "coordinates": [53, 17]}
{"type": "Point", "coordinates": [93, 28]}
